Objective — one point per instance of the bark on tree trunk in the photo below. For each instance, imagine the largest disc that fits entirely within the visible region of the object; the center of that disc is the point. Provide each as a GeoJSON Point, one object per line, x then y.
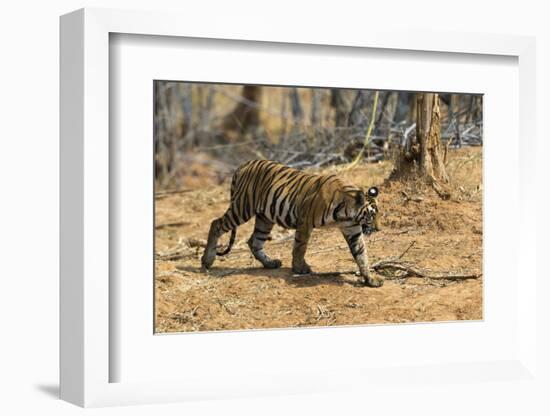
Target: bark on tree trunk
{"type": "Point", "coordinates": [296, 106]}
{"type": "Point", "coordinates": [411, 117]}
{"type": "Point", "coordinates": [341, 107]}
{"type": "Point", "coordinates": [428, 131]}
{"type": "Point", "coordinates": [245, 117]}
{"type": "Point", "coordinates": [315, 107]}
{"type": "Point", "coordinates": [387, 115]}
{"type": "Point", "coordinates": [424, 157]}
{"type": "Point", "coordinates": [356, 116]}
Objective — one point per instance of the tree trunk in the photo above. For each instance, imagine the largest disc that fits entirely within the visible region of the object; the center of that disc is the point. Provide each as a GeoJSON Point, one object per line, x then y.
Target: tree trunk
{"type": "Point", "coordinates": [475, 109]}
{"type": "Point", "coordinates": [284, 119]}
{"type": "Point", "coordinates": [245, 117]}
{"type": "Point", "coordinates": [411, 116]}
{"type": "Point", "coordinates": [315, 107]}
{"type": "Point", "coordinates": [402, 111]}
{"type": "Point", "coordinates": [206, 115]}
{"type": "Point", "coordinates": [356, 116]}
{"type": "Point", "coordinates": [187, 109]}
{"type": "Point", "coordinates": [424, 156]}
{"type": "Point", "coordinates": [428, 132]}
{"type": "Point", "coordinates": [341, 107]}
{"type": "Point", "coordinates": [454, 105]}
{"type": "Point", "coordinates": [386, 116]}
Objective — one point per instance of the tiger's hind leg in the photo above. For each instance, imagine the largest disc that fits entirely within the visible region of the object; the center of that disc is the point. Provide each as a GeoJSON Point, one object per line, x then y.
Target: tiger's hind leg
{"type": "Point", "coordinates": [262, 228]}
{"type": "Point", "coordinates": [229, 221]}
{"type": "Point", "coordinates": [214, 234]}
{"type": "Point", "coordinates": [301, 239]}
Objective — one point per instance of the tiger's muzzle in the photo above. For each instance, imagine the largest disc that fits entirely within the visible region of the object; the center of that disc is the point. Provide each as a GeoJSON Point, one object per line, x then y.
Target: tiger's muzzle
{"type": "Point", "coordinates": [369, 228]}
{"type": "Point", "coordinates": [369, 221]}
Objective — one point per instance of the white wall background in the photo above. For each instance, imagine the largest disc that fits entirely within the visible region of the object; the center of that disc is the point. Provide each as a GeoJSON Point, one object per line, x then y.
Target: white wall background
{"type": "Point", "coordinates": [29, 117]}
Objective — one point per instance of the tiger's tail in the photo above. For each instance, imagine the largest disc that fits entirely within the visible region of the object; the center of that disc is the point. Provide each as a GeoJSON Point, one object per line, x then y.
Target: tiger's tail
{"type": "Point", "coordinates": [230, 220]}
{"type": "Point", "coordinates": [230, 245]}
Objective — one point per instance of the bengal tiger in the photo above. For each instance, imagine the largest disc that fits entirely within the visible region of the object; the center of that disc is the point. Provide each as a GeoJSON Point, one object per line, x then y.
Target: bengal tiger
{"type": "Point", "coordinates": [294, 199]}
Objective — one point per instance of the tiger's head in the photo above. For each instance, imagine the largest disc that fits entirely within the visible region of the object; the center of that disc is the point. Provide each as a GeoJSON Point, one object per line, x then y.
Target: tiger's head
{"type": "Point", "coordinates": [367, 214]}
{"type": "Point", "coordinates": [359, 207]}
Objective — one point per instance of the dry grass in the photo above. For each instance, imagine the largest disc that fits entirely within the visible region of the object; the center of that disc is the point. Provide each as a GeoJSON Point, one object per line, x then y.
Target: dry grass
{"type": "Point", "coordinates": [238, 294]}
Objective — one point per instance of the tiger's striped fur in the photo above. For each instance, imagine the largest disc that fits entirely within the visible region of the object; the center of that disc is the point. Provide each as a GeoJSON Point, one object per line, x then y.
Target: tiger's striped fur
{"type": "Point", "coordinates": [277, 194]}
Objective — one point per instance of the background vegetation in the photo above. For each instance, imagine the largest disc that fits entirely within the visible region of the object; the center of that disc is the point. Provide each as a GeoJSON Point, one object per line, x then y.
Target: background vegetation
{"type": "Point", "coordinates": [217, 127]}
{"type": "Point", "coordinates": [423, 151]}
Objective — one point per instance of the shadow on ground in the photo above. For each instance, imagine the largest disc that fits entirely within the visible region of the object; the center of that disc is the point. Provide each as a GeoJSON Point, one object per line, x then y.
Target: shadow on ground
{"type": "Point", "coordinates": [283, 273]}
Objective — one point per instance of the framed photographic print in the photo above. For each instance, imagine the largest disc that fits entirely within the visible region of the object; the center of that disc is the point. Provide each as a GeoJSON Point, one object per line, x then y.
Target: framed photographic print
{"type": "Point", "coordinates": [287, 161]}
{"type": "Point", "coordinates": [247, 215]}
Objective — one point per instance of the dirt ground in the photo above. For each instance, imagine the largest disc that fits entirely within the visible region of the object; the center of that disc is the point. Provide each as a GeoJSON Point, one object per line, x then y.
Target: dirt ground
{"type": "Point", "coordinates": [238, 294]}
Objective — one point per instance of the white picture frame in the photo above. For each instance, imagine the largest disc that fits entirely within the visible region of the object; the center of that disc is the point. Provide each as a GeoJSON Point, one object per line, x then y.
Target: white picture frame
{"type": "Point", "coordinates": [86, 356]}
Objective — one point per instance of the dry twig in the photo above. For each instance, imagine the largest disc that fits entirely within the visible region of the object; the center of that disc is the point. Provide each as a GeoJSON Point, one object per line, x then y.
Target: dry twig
{"type": "Point", "coordinates": [407, 249]}
{"type": "Point", "coordinates": [162, 194]}
{"type": "Point", "coordinates": [171, 224]}
{"type": "Point", "coordinates": [413, 198]}
{"type": "Point", "coordinates": [395, 268]}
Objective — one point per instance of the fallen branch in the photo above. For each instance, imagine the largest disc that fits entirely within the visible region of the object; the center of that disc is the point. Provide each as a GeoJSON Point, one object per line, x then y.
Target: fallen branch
{"type": "Point", "coordinates": [411, 198]}
{"type": "Point", "coordinates": [182, 250]}
{"type": "Point", "coordinates": [162, 194]}
{"type": "Point", "coordinates": [396, 269]}
{"type": "Point", "coordinates": [327, 274]}
{"type": "Point", "coordinates": [408, 131]}
{"type": "Point", "coordinates": [406, 250]}
{"type": "Point", "coordinates": [171, 224]}
{"type": "Point", "coordinates": [176, 256]}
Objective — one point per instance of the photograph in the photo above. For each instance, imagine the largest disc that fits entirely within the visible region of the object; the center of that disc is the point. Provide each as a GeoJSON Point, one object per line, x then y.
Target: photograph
{"type": "Point", "coordinates": [296, 207]}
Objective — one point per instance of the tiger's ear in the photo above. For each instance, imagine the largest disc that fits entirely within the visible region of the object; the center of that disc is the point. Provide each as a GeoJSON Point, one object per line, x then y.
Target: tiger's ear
{"type": "Point", "coordinates": [372, 192]}
{"type": "Point", "coordinates": [360, 199]}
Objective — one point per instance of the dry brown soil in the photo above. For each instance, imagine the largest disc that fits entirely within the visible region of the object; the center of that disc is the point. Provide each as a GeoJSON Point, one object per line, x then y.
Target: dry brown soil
{"type": "Point", "coordinates": [238, 294]}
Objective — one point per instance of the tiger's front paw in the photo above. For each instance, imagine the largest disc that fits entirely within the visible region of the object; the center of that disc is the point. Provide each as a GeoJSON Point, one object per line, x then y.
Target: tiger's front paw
{"type": "Point", "coordinates": [301, 268]}
{"type": "Point", "coordinates": [272, 264]}
{"type": "Point", "coordinates": [373, 281]}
